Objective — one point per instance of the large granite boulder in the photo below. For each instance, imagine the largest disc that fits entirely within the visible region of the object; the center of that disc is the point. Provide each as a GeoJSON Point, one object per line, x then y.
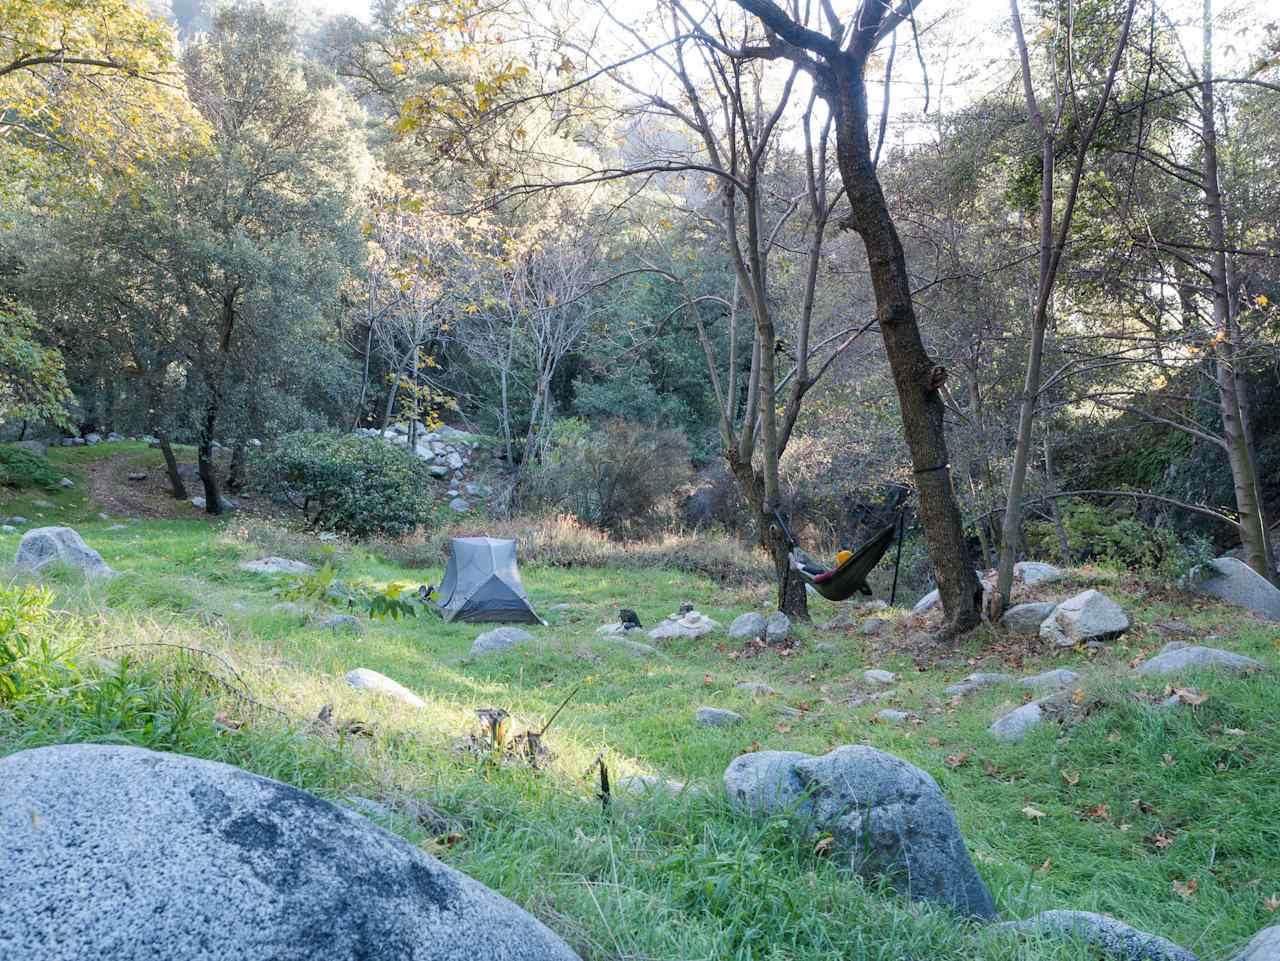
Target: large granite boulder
{"type": "Point", "coordinates": [43, 546]}
{"type": "Point", "coordinates": [123, 853]}
{"type": "Point", "coordinates": [1026, 618]}
{"type": "Point", "coordinates": [1237, 583]}
{"type": "Point", "coordinates": [777, 628]}
{"type": "Point", "coordinates": [498, 640]}
{"type": "Point", "coordinates": [1264, 946]}
{"type": "Point", "coordinates": [1089, 616]}
{"type": "Point", "coordinates": [1176, 657]}
{"type": "Point", "coordinates": [1111, 937]}
{"type": "Point", "coordinates": [717, 717]}
{"type": "Point", "coordinates": [1014, 725]}
{"type": "Point", "coordinates": [888, 816]}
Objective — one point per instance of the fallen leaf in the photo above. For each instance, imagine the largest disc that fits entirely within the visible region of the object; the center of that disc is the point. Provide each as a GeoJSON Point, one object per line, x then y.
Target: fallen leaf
{"type": "Point", "coordinates": [230, 723]}
{"type": "Point", "coordinates": [1161, 840]}
{"type": "Point", "coordinates": [1113, 737]}
{"type": "Point", "coordinates": [1077, 696]}
{"type": "Point", "coordinates": [1099, 811]}
{"type": "Point", "coordinates": [783, 728]}
{"type": "Point", "coordinates": [1271, 903]}
{"type": "Point", "coordinates": [1186, 889]}
{"type": "Point", "coordinates": [1048, 863]}
{"type": "Point", "coordinates": [823, 847]}
{"type": "Point", "coordinates": [1125, 827]}
{"type": "Point", "coordinates": [1189, 695]}
{"type": "Point", "coordinates": [934, 742]}
{"type": "Point", "coordinates": [1167, 760]}
{"type": "Point", "coordinates": [989, 768]}
{"type": "Point", "coordinates": [1235, 731]}
{"type": "Point", "coordinates": [1034, 814]}
{"type": "Point", "coordinates": [1070, 777]}
{"type": "Point", "coordinates": [706, 680]}
{"type": "Point", "coordinates": [956, 760]}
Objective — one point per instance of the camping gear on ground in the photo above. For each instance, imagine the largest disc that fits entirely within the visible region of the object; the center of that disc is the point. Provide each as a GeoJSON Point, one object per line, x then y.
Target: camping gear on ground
{"type": "Point", "coordinates": [849, 576]}
{"type": "Point", "coordinates": [482, 585]}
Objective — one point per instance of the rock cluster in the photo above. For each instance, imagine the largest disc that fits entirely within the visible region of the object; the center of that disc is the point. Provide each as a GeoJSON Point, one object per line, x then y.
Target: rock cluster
{"type": "Point", "coordinates": [448, 452]}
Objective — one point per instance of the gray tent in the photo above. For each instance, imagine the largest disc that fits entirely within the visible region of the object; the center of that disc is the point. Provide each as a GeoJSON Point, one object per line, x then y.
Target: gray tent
{"type": "Point", "coordinates": [481, 584]}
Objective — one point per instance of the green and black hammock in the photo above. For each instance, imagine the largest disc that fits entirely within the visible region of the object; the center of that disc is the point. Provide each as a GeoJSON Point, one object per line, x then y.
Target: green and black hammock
{"type": "Point", "coordinates": [843, 581]}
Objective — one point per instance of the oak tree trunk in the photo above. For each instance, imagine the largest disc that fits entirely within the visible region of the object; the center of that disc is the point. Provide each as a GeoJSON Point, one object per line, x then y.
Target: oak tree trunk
{"type": "Point", "coordinates": [915, 376]}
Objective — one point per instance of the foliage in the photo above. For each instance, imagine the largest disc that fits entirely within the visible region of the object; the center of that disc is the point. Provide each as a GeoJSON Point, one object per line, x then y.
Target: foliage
{"type": "Point", "coordinates": [33, 382]}
{"type": "Point", "coordinates": [614, 475]}
{"type": "Point", "coordinates": [1114, 538]}
{"type": "Point", "coordinates": [22, 469]}
{"type": "Point", "coordinates": [351, 483]}
{"type": "Point", "coordinates": [24, 612]}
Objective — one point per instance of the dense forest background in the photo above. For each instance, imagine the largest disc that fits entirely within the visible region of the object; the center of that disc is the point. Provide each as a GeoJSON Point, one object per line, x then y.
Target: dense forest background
{"type": "Point", "coordinates": [621, 248]}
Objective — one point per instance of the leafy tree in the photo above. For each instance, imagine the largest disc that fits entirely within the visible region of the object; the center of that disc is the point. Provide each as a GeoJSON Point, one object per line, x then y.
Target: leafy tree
{"type": "Point", "coordinates": [33, 383]}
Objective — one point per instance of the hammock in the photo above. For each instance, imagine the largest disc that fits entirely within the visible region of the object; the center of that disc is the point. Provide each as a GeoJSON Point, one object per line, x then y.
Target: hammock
{"type": "Point", "coordinates": [842, 582]}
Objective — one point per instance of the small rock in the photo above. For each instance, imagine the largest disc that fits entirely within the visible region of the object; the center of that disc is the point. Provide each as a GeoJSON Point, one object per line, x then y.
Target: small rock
{"type": "Point", "coordinates": [101, 516]}
{"type": "Point", "coordinates": [717, 717]}
{"type": "Point", "coordinates": [1034, 572]}
{"type": "Point", "coordinates": [498, 640]}
{"type": "Point", "coordinates": [438, 471]}
{"type": "Point", "coordinates": [1107, 934]}
{"type": "Point", "coordinates": [292, 608]}
{"type": "Point", "coordinates": [755, 688]}
{"type": "Point", "coordinates": [692, 624]}
{"type": "Point", "coordinates": [138, 476]}
{"type": "Point", "coordinates": [872, 626]}
{"type": "Point", "coordinates": [118, 527]}
{"type": "Point", "coordinates": [454, 460]}
{"type": "Point", "coordinates": [876, 676]}
{"type": "Point", "coordinates": [777, 627]}
{"type": "Point", "coordinates": [1026, 618]}
{"type": "Point", "coordinates": [1060, 677]}
{"type": "Point", "coordinates": [43, 504]}
{"type": "Point", "coordinates": [66, 483]}
{"type": "Point", "coordinates": [459, 506]}
{"type": "Point", "coordinates": [276, 565]}
{"type": "Point", "coordinates": [342, 622]}
{"type": "Point", "coordinates": [890, 716]}
{"type": "Point", "coordinates": [635, 648]}
{"type": "Point", "coordinates": [1264, 946]}
{"type": "Point", "coordinates": [975, 681]}
{"type": "Point", "coordinates": [16, 519]}
{"type": "Point", "coordinates": [562, 607]}
{"type": "Point", "coordinates": [327, 536]}
{"type": "Point", "coordinates": [8, 529]}
{"type": "Point", "coordinates": [749, 625]}
{"type": "Point", "coordinates": [1182, 657]}
{"type": "Point", "coordinates": [1019, 722]}
{"type": "Point", "coordinates": [46, 545]}
{"type": "Point", "coordinates": [1089, 616]}
{"type": "Point", "coordinates": [94, 438]}
{"type": "Point", "coordinates": [647, 785]}
{"type": "Point", "coordinates": [364, 679]}
{"type": "Point", "coordinates": [823, 647]}
{"type": "Point", "coordinates": [1174, 628]}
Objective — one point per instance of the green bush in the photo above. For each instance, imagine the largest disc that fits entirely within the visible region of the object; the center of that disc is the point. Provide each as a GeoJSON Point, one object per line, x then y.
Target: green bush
{"type": "Point", "coordinates": [358, 485]}
{"type": "Point", "coordinates": [614, 476]}
{"type": "Point", "coordinates": [1115, 539]}
{"type": "Point", "coordinates": [22, 469]}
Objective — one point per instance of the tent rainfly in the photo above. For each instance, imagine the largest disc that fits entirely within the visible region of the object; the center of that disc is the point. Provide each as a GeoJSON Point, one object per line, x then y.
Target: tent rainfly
{"type": "Point", "coordinates": [482, 585]}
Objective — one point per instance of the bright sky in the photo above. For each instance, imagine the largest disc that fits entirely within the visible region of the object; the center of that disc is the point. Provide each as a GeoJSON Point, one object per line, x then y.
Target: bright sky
{"type": "Point", "coordinates": [968, 44]}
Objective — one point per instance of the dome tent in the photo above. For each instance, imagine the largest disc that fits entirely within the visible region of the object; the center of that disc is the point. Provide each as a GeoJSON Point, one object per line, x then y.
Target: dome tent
{"type": "Point", "coordinates": [482, 585]}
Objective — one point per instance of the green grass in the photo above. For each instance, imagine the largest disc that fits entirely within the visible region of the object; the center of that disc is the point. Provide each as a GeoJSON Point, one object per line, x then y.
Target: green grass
{"type": "Point", "coordinates": [680, 878]}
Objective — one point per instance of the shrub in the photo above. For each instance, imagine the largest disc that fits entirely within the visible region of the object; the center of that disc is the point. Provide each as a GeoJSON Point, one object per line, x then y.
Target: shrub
{"type": "Point", "coordinates": [1115, 539]}
{"type": "Point", "coordinates": [22, 469]}
{"type": "Point", "coordinates": [612, 477]}
{"type": "Point", "coordinates": [358, 485]}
